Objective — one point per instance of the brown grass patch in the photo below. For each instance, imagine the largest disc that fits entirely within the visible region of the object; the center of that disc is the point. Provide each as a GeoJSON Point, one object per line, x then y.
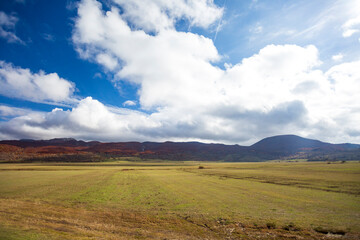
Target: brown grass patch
{"type": "Point", "coordinates": [80, 222]}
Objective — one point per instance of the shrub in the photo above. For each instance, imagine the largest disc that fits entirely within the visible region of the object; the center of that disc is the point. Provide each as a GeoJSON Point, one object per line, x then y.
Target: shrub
{"type": "Point", "coordinates": [271, 225]}
{"type": "Point", "coordinates": [329, 230]}
{"type": "Point", "coordinates": [291, 227]}
{"type": "Point", "coordinates": [223, 221]}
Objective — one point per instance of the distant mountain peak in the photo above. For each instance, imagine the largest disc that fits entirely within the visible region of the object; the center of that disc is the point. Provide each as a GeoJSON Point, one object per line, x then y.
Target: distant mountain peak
{"type": "Point", "coordinates": [287, 144]}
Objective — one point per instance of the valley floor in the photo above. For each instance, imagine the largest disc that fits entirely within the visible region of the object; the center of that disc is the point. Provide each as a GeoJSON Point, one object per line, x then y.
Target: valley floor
{"type": "Point", "coordinates": [180, 200]}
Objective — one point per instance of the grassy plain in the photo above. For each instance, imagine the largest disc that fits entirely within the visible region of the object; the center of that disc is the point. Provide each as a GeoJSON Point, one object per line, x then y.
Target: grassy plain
{"type": "Point", "coordinates": [177, 200]}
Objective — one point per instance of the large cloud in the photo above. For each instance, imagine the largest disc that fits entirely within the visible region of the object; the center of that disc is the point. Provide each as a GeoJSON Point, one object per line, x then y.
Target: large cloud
{"type": "Point", "coordinates": [279, 90]}
{"type": "Point", "coordinates": [176, 58]}
{"type": "Point", "coordinates": [89, 120]}
{"type": "Point", "coordinates": [16, 82]}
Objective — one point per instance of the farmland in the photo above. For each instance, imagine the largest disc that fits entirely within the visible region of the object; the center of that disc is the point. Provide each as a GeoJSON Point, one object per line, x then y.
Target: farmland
{"type": "Point", "coordinates": [180, 200]}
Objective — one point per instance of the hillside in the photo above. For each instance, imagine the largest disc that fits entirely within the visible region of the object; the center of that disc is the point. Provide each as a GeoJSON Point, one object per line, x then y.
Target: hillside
{"type": "Point", "coordinates": [288, 144]}
{"type": "Point", "coordinates": [276, 147]}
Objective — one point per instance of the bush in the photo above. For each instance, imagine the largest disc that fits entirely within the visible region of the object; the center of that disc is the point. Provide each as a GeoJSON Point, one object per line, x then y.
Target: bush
{"type": "Point", "coordinates": [329, 230]}
{"type": "Point", "coordinates": [223, 221]}
{"type": "Point", "coordinates": [291, 227]}
{"type": "Point", "coordinates": [271, 225]}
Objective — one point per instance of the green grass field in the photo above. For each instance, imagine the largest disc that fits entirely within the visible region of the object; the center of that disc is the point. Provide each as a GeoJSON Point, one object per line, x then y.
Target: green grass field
{"type": "Point", "coordinates": [177, 200]}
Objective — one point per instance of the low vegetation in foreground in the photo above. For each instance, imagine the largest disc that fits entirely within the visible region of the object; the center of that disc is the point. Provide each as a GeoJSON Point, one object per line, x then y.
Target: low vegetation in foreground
{"type": "Point", "coordinates": [180, 200]}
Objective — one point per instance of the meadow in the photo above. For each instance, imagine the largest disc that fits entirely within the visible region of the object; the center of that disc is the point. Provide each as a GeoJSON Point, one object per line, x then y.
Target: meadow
{"type": "Point", "coordinates": [180, 200]}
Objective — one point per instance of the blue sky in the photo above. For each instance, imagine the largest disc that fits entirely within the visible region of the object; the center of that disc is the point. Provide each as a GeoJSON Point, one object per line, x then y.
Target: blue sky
{"type": "Point", "coordinates": [213, 71]}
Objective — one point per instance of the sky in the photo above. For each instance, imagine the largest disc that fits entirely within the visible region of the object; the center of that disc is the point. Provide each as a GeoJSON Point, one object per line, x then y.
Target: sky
{"type": "Point", "coordinates": [224, 71]}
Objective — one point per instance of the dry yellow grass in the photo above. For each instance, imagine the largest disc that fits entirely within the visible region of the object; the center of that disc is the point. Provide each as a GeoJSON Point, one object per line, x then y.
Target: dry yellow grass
{"type": "Point", "coordinates": [179, 201]}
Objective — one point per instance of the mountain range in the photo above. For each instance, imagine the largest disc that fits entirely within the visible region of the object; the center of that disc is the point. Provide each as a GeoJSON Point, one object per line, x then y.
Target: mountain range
{"type": "Point", "coordinates": [276, 147]}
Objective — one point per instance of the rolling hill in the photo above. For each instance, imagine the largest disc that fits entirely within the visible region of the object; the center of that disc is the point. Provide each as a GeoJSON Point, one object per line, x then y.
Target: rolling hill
{"type": "Point", "coordinates": [276, 147]}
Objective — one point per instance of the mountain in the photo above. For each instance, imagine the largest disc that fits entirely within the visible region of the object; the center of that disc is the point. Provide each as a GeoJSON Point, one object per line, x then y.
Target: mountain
{"type": "Point", "coordinates": [64, 142]}
{"type": "Point", "coordinates": [291, 143]}
{"type": "Point", "coordinates": [276, 147]}
{"type": "Point", "coordinates": [288, 144]}
{"type": "Point", "coordinates": [292, 146]}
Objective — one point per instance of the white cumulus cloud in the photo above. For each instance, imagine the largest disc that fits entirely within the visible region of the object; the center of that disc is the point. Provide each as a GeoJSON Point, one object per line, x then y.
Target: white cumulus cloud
{"type": "Point", "coordinates": [279, 90]}
{"type": "Point", "coordinates": [89, 119]}
{"type": "Point", "coordinates": [17, 82]}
